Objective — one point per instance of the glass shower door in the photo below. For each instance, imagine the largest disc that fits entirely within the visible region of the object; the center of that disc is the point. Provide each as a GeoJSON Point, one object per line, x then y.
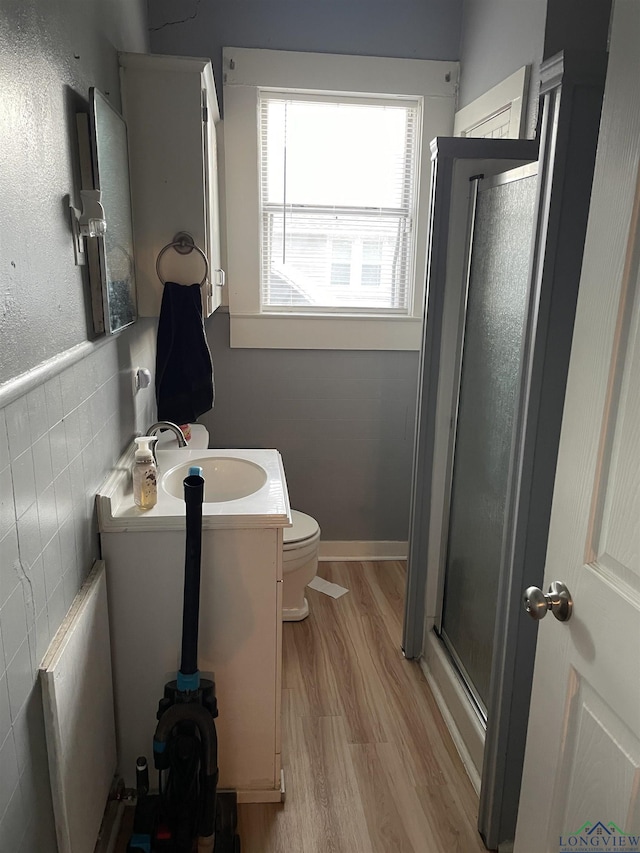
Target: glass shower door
{"type": "Point", "coordinates": [494, 327]}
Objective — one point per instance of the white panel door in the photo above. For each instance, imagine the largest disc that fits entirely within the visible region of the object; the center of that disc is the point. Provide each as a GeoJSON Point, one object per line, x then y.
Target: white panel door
{"type": "Point", "coordinates": [581, 783]}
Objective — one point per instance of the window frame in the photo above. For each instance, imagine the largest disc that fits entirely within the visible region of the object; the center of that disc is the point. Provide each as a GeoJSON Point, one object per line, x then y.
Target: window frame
{"type": "Point", "coordinates": [246, 72]}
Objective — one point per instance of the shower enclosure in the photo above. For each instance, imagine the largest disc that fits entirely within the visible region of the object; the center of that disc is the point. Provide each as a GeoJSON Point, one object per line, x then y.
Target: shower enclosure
{"type": "Point", "coordinates": [490, 351]}
{"type": "Point", "coordinates": [505, 255]}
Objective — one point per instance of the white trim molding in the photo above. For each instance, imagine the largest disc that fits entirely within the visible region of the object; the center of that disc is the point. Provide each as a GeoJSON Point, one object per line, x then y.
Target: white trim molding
{"type": "Point", "coordinates": [504, 102]}
{"type": "Point", "coordinates": [466, 729]}
{"type": "Point", "coordinates": [433, 83]}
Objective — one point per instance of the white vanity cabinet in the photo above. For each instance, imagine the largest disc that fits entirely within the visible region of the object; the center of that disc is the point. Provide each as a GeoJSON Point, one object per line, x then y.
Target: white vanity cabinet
{"type": "Point", "coordinates": [171, 110]}
{"type": "Point", "coordinates": [240, 629]}
{"type": "Point", "coordinates": [240, 643]}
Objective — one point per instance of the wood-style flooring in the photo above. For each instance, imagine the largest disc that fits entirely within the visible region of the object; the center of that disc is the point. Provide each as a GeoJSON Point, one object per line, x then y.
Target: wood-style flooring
{"type": "Point", "coordinates": [369, 764]}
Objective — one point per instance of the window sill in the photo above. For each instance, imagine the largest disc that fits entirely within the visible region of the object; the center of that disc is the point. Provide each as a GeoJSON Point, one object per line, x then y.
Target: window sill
{"type": "Point", "coordinates": [270, 331]}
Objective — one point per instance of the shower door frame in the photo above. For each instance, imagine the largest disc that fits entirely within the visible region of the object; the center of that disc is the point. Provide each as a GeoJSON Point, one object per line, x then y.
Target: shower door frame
{"type": "Point", "coordinates": [455, 160]}
{"type": "Point", "coordinates": [572, 87]}
{"type": "Point", "coordinates": [480, 183]}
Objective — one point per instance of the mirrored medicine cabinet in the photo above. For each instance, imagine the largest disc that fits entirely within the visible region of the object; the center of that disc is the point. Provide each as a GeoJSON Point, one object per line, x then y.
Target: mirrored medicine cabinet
{"type": "Point", "coordinates": [104, 165]}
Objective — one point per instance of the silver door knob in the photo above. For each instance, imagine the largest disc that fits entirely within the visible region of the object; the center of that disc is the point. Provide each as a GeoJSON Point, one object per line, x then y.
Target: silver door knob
{"type": "Point", "coordinates": [558, 600]}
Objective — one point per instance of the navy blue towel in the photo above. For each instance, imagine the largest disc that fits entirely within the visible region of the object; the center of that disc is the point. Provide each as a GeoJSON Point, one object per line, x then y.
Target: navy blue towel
{"type": "Point", "coordinates": [184, 371]}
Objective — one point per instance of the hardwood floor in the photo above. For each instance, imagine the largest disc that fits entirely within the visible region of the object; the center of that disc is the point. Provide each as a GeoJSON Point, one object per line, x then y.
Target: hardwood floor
{"type": "Point", "coordinates": [369, 764]}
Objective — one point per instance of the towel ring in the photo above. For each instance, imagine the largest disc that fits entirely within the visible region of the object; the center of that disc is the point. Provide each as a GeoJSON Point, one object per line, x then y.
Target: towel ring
{"type": "Point", "coordinates": [184, 244]}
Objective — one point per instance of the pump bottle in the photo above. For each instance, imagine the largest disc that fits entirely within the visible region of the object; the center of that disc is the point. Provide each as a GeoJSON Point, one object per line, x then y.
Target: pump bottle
{"type": "Point", "coordinates": [145, 480]}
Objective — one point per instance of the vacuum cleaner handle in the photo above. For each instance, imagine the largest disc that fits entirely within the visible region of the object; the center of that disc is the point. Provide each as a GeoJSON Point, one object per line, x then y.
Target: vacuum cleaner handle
{"type": "Point", "coordinates": [193, 496]}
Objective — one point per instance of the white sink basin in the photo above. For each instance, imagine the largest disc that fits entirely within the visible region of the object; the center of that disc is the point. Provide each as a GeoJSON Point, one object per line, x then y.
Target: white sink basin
{"type": "Point", "coordinates": [243, 488]}
{"type": "Point", "coordinates": [225, 478]}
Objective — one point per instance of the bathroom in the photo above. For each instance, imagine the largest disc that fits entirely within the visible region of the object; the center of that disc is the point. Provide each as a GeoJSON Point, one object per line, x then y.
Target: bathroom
{"type": "Point", "coordinates": [342, 419]}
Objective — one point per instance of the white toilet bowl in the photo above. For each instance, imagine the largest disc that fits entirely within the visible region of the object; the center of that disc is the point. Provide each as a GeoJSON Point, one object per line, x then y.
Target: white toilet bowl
{"type": "Point", "coordinates": [299, 564]}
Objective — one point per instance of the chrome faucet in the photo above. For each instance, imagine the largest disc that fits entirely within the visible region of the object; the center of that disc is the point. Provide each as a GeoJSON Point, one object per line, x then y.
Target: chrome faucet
{"type": "Point", "coordinates": [174, 428]}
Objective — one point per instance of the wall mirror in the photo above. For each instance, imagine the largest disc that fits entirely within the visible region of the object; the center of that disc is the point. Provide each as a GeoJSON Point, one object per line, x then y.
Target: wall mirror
{"type": "Point", "coordinates": [111, 264]}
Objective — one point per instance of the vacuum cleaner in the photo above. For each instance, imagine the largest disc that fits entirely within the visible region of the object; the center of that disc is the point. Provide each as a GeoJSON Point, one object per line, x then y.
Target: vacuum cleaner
{"type": "Point", "coordinates": [188, 813]}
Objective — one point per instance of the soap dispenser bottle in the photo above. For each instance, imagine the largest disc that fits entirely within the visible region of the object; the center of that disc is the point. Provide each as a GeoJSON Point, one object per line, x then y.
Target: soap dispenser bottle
{"type": "Point", "coordinates": [145, 480]}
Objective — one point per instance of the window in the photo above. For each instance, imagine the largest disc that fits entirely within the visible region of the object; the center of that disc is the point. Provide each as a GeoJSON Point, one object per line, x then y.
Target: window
{"type": "Point", "coordinates": [327, 171]}
{"type": "Point", "coordinates": [337, 166]}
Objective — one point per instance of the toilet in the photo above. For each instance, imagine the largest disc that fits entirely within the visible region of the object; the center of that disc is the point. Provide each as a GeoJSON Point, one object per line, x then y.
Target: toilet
{"type": "Point", "coordinates": [299, 564]}
{"type": "Point", "coordinates": [300, 548]}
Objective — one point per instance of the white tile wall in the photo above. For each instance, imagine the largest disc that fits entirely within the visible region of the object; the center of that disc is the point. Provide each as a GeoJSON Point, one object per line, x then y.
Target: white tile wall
{"type": "Point", "coordinates": [57, 444]}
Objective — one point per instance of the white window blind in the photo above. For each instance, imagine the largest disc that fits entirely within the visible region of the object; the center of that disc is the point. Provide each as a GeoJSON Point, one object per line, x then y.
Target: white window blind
{"type": "Point", "coordinates": [338, 193]}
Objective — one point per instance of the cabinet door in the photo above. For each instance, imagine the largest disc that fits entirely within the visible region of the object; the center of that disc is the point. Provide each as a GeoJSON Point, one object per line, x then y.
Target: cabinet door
{"type": "Point", "coordinates": [171, 111]}
{"type": "Point", "coordinates": [212, 297]}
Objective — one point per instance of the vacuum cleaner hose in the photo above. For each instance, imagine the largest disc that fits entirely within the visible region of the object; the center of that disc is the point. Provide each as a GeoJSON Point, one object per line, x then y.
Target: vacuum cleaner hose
{"type": "Point", "coordinates": [193, 496]}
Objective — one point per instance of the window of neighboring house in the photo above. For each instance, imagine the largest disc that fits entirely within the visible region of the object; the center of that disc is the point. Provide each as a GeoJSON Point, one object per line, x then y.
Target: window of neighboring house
{"type": "Point", "coordinates": [327, 167]}
{"type": "Point", "coordinates": [340, 276]}
{"type": "Point", "coordinates": [371, 274]}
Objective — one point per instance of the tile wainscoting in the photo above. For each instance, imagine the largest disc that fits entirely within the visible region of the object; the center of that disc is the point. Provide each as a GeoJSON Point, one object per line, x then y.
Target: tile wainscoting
{"type": "Point", "coordinates": [57, 443]}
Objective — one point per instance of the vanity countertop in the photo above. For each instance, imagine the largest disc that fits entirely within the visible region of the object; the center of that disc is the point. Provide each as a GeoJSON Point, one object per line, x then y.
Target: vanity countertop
{"type": "Point", "coordinates": [268, 506]}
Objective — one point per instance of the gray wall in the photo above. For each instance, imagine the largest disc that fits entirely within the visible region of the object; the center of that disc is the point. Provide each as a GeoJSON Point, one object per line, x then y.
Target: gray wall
{"type": "Point", "coordinates": [51, 53]}
{"type": "Point", "coordinates": [343, 420]}
{"type": "Point", "coordinates": [576, 24]}
{"type": "Point", "coordinates": [498, 37]}
{"type": "Point", "coordinates": [417, 29]}
{"type": "Point", "coordinates": [60, 430]}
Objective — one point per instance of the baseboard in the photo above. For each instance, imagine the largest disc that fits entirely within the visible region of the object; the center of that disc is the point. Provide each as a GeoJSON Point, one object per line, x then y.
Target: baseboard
{"type": "Point", "coordinates": [356, 550]}
{"type": "Point", "coordinates": [267, 795]}
{"type": "Point", "coordinates": [110, 826]}
{"type": "Point", "coordinates": [465, 727]}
